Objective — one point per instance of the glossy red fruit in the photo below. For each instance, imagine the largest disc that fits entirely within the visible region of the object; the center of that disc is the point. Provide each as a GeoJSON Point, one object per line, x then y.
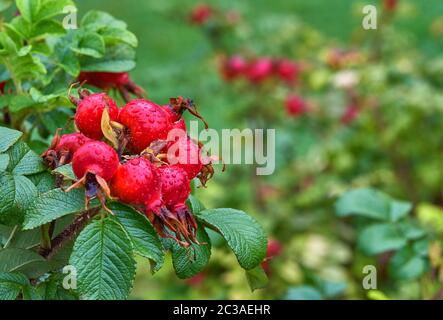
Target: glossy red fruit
{"type": "Point", "coordinates": [259, 70]}
{"type": "Point", "coordinates": [295, 105]}
{"type": "Point", "coordinates": [146, 122]}
{"type": "Point", "coordinates": [175, 189]}
{"type": "Point", "coordinates": [233, 67]}
{"type": "Point", "coordinates": [287, 70]}
{"type": "Point", "coordinates": [186, 154]}
{"type": "Point", "coordinates": [175, 185]}
{"type": "Point", "coordinates": [136, 182]}
{"type": "Point", "coordinates": [201, 14]}
{"type": "Point", "coordinates": [350, 114]}
{"type": "Point", "coordinates": [89, 114]}
{"type": "Point", "coordinates": [69, 144]}
{"type": "Point", "coordinates": [96, 158]}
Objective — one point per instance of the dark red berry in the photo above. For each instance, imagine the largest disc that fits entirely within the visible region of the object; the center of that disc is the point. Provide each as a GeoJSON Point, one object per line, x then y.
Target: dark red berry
{"type": "Point", "coordinates": [89, 114]}
{"type": "Point", "coordinates": [146, 122]}
{"type": "Point", "coordinates": [96, 158]}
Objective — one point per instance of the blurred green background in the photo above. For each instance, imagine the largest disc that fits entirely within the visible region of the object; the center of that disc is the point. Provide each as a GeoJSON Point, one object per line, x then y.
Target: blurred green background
{"type": "Point", "coordinates": [176, 58]}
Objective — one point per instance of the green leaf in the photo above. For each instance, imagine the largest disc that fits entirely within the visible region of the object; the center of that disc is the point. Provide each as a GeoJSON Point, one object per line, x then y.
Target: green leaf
{"type": "Point", "coordinates": [47, 27]}
{"type": "Point", "coordinates": [8, 137]}
{"type": "Point", "coordinates": [364, 202]}
{"type": "Point", "coordinates": [18, 192]}
{"type": "Point", "coordinates": [11, 285]}
{"type": "Point", "coordinates": [5, 4]}
{"type": "Point", "coordinates": [44, 181]}
{"type": "Point", "coordinates": [192, 260]}
{"type": "Point", "coordinates": [243, 234]}
{"type": "Point", "coordinates": [12, 259]}
{"type": "Point", "coordinates": [379, 238]}
{"type": "Point", "coordinates": [118, 58]}
{"type": "Point", "coordinates": [24, 161]}
{"type": "Point", "coordinates": [7, 45]}
{"type": "Point", "coordinates": [66, 58]}
{"type": "Point", "coordinates": [51, 8]}
{"type": "Point", "coordinates": [257, 278]}
{"type": "Point", "coordinates": [66, 171]}
{"type": "Point", "coordinates": [28, 8]}
{"type": "Point", "coordinates": [20, 102]}
{"type": "Point", "coordinates": [30, 293]}
{"type": "Point", "coordinates": [195, 205]}
{"type": "Point", "coordinates": [117, 35]}
{"type": "Point", "coordinates": [95, 20]}
{"type": "Point", "coordinates": [52, 205]}
{"type": "Point", "coordinates": [27, 66]}
{"type": "Point", "coordinates": [7, 193]}
{"type": "Point", "coordinates": [90, 44]}
{"type": "Point", "coordinates": [145, 240]}
{"type": "Point", "coordinates": [399, 209]}
{"type": "Point", "coordinates": [102, 255]}
{"type": "Point", "coordinates": [407, 264]}
{"type": "Point", "coordinates": [371, 203]}
{"type": "Point", "coordinates": [4, 161]}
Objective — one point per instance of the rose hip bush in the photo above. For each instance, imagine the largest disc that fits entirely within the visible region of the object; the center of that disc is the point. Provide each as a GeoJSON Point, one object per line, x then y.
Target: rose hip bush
{"type": "Point", "coordinates": [356, 126]}
{"type": "Point", "coordinates": [89, 179]}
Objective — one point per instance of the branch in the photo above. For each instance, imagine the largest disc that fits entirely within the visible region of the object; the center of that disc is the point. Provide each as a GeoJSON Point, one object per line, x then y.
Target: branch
{"type": "Point", "coordinates": [70, 232]}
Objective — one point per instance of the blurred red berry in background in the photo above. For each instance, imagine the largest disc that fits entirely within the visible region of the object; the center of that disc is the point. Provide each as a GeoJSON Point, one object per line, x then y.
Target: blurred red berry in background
{"type": "Point", "coordinates": [259, 70]}
{"type": "Point", "coordinates": [350, 114]}
{"type": "Point", "coordinates": [201, 14]}
{"type": "Point", "coordinates": [295, 105]}
{"type": "Point", "coordinates": [287, 70]}
{"type": "Point", "coordinates": [233, 67]}
{"type": "Point", "coordinates": [390, 5]}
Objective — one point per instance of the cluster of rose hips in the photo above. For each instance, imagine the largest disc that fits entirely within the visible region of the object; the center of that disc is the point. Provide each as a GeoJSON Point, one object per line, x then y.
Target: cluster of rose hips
{"type": "Point", "coordinates": [259, 70]}
{"type": "Point", "coordinates": [145, 166]}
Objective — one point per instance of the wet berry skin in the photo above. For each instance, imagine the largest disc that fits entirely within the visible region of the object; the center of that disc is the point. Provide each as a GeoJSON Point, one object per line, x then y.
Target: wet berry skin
{"type": "Point", "coordinates": [146, 122]}
{"type": "Point", "coordinates": [89, 112]}
{"type": "Point", "coordinates": [135, 181]}
{"type": "Point", "coordinates": [175, 185]}
{"type": "Point", "coordinates": [97, 158]}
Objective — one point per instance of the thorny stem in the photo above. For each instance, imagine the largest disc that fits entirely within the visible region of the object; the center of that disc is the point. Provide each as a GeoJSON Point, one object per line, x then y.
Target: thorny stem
{"type": "Point", "coordinates": [70, 231]}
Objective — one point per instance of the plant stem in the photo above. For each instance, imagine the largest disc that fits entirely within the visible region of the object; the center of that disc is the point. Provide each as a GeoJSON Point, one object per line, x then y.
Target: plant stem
{"type": "Point", "coordinates": [70, 231]}
{"type": "Point", "coordinates": [45, 243]}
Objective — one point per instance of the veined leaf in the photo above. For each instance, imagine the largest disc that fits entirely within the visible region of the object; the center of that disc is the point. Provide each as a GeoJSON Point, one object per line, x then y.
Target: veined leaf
{"type": "Point", "coordinates": [103, 257]}
{"type": "Point", "coordinates": [244, 235]}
